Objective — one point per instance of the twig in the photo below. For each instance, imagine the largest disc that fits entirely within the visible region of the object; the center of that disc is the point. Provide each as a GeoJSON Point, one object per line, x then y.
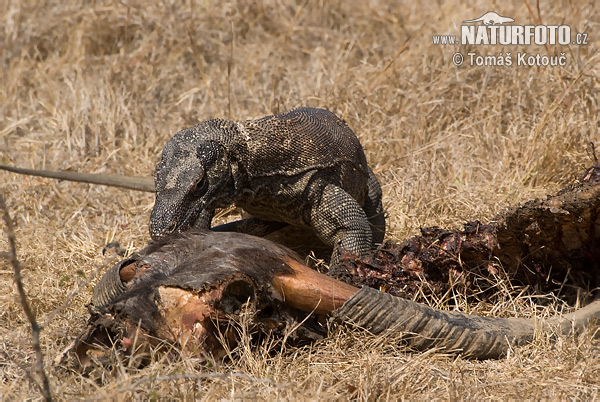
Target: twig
{"type": "Point", "coordinates": [35, 328]}
{"type": "Point", "coordinates": [592, 151]}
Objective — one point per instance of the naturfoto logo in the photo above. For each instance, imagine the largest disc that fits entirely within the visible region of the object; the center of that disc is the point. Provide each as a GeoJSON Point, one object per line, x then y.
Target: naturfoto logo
{"type": "Point", "coordinates": [494, 32]}
{"type": "Point", "coordinates": [495, 29]}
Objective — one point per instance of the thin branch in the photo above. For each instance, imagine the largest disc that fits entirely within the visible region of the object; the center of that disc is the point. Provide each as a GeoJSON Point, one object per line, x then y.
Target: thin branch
{"type": "Point", "coordinates": [35, 328]}
{"type": "Point", "coordinates": [592, 151]}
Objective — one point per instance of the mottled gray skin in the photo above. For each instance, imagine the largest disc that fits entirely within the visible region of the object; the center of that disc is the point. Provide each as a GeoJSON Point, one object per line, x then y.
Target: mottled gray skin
{"type": "Point", "coordinates": [304, 167]}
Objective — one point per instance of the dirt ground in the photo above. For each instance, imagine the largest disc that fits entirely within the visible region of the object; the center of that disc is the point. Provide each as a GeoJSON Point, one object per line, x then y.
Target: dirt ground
{"type": "Point", "coordinates": [100, 86]}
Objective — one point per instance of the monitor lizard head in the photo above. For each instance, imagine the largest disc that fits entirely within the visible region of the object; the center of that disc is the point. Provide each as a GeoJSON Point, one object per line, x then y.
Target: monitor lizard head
{"type": "Point", "coordinates": [193, 178]}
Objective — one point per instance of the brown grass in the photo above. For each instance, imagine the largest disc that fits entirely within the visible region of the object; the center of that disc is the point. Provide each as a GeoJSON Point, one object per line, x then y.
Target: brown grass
{"type": "Point", "coordinates": [100, 87]}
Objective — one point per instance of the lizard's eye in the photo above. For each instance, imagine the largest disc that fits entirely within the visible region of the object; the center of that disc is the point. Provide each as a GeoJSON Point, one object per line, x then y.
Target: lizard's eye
{"type": "Point", "coordinates": [199, 187]}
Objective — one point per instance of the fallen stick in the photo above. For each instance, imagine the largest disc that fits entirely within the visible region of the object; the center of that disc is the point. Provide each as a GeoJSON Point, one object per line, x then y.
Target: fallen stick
{"type": "Point", "coordinates": [35, 327]}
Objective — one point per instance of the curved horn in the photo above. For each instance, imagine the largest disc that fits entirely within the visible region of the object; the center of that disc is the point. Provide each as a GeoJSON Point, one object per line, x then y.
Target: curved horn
{"type": "Point", "coordinates": [110, 285]}
{"type": "Point", "coordinates": [129, 182]}
{"type": "Point", "coordinates": [473, 336]}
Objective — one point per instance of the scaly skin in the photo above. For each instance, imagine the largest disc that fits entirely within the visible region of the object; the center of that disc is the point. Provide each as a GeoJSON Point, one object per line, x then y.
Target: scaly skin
{"type": "Point", "coordinates": [304, 167]}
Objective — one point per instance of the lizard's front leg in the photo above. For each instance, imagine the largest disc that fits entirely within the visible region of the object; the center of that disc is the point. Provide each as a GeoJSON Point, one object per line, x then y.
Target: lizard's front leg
{"type": "Point", "coordinates": [339, 221]}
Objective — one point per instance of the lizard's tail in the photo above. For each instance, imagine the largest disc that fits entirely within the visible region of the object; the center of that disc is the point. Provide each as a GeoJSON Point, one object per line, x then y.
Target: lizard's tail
{"type": "Point", "coordinates": [129, 182]}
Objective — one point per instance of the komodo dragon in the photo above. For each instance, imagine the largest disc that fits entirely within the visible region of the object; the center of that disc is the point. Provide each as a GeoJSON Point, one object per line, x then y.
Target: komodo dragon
{"type": "Point", "coordinates": [304, 167]}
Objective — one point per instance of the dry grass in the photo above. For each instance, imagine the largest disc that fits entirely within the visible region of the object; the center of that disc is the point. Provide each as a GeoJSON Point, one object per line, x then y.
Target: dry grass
{"type": "Point", "coordinates": [100, 87]}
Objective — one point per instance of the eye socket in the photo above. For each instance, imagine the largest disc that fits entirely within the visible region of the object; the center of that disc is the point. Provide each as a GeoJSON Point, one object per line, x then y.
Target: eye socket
{"type": "Point", "coordinates": [199, 187]}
